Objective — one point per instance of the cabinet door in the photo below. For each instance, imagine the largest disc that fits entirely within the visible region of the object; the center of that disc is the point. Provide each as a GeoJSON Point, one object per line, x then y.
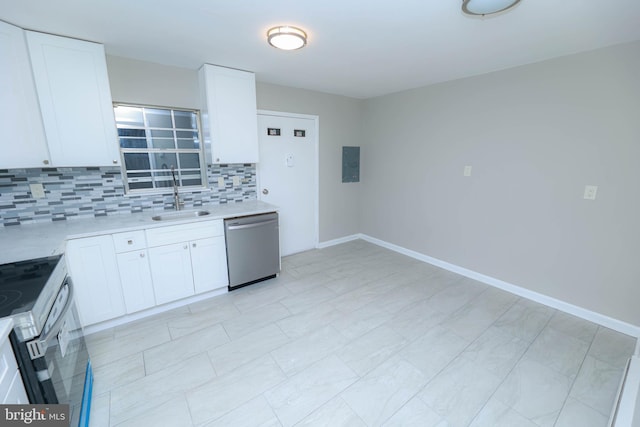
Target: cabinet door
{"type": "Point", "coordinates": [135, 277]}
{"type": "Point", "coordinates": [75, 100]}
{"type": "Point", "coordinates": [11, 388]}
{"type": "Point", "coordinates": [23, 143]}
{"type": "Point", "coordinates": [94, 270]}
{"type": "Point", "coordinates": [229, 115]}
{"type": "Point", "coordinates": [209, 264]}
{"type": "Point", "coordinates": [171, 272]}
{"type": "Point", "coordinates": [16, 395]}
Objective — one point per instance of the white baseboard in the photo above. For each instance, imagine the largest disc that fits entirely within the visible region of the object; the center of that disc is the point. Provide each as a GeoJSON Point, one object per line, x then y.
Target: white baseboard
{"type": "Point", "coordinates": [341, 240]}
{"type": "Point", "coordinates": [97, 327]}
{"type": "Point", "coordinates": [592, 316]}
{"type": "Point", "coordinates": [626, 406]}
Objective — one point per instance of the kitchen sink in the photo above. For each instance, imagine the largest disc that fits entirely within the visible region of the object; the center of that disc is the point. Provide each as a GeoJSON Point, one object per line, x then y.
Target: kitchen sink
{"type": "Point", "coordinates": [172, 216]}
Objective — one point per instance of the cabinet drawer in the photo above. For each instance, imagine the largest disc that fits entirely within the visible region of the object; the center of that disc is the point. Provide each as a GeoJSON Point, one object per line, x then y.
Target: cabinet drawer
{"type": "Point", "coordinates": [184, 232]}
{"type": "Point", "coordinates": [129, 241]}
{"type": "Point", "coordinates": [8, 367]}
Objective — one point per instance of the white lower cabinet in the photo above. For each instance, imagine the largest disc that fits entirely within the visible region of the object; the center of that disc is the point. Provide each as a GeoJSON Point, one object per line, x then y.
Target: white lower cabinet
{"type": "Point", "coordinates": [171, 272]}
{"type": "Point", "coordinates": [128, 272]}
{"type": "Point", "coordinates": [11, 387]}
{"type": "Point", "coordinates": [209, 264]}
{"type": "Point", "coordinates": [187, 259]}
{"type": "Point", "coordinates": [93, 267]}
{"type": "Point", "coordinates": [135, 274]}
{"type": "Point", "coordinates": [16, 395]}
{"type": "Point", "coordinates": [135, 278]}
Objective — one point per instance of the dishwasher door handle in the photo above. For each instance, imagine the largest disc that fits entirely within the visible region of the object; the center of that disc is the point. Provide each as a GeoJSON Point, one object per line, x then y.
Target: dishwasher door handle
{"type": "Point", "coordinates": [252, 225]}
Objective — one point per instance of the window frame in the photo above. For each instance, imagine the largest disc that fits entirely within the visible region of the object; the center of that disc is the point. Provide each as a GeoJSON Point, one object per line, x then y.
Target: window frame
{"type": "Point", "coordinates": [151, 151]}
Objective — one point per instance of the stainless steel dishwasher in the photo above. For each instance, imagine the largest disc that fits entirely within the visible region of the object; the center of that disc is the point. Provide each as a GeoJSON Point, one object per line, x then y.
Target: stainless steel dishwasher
{"type": "Point", "coordinates": [253, 248]}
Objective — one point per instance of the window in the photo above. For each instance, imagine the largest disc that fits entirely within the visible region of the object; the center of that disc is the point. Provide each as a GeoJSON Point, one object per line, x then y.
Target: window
{"type": "Point", "coordinates": [153, 141]}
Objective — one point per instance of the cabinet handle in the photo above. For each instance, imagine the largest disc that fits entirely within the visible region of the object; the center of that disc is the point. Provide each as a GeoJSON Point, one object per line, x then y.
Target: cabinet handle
{"type": "Point", "coordinates": [141, 254]}
{"type": "Point", "coordinates": [115, 162]}
{"type": "Point", "coordinates": [46, 162]}
{"type": "Point", "coordinates": [194, 245]}
{"type": "Point", "coordinates": [186, 246]}
{"type": "Point", "coordinates": [129, 242]}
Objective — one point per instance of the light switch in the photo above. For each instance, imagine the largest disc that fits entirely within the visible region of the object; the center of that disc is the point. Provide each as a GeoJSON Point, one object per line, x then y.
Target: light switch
{"type": "Point", "coordinates": [590, 192]}
{"type": "Point", "coordinates": [236, 181]}
{"type": "Point", "coordinates": [220, 182]}
{"type": "Point", "coordinates": [467, 171]}
{"type": "Point", "coordinates": [37, 191]}
{"type": "Point", "coordinates": [290, 161]}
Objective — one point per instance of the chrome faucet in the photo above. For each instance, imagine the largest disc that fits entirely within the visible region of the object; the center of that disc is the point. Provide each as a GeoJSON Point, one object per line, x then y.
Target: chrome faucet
{"type": "Point", "coordinates": [176, 196]}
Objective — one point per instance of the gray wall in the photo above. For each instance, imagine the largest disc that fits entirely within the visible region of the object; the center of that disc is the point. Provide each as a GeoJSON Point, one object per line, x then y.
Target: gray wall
{"type": "Point", "coordinates": [340, 125]}
{"type": "Point", "coordinates": [535, 136]}
{"type": "Point", "coordinates": [140, 82]}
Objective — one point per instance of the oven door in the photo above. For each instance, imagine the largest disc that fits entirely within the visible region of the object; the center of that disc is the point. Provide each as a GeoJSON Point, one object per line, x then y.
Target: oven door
{"type": "Point", "coordinates": [59, 359]}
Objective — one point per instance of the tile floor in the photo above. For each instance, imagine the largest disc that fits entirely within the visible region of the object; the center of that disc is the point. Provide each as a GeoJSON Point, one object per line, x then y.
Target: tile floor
{"type": "Point", "coordinates": [356, 335]}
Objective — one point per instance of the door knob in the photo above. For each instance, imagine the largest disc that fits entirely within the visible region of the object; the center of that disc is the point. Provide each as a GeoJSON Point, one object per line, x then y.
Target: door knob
{"type": "Point", "coordinates": [265, 191]}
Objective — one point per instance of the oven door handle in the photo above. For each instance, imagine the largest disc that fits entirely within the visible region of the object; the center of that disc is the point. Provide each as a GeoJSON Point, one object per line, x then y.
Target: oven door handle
{"type": "Point", "coordinates": [38, 347]}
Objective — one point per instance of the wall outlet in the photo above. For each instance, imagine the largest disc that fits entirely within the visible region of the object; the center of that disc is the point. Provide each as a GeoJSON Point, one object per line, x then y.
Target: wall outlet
{"type": "Point", "coordinates": [590, 192]}
{"type": "Point", "coordinates": [236, 181]}
{"type": "Point", "coordinates": [467, 171]}
{"type": "Point", "coordinates": [220, 182]}
{"type": "Point", "coordinates": [37, 191]}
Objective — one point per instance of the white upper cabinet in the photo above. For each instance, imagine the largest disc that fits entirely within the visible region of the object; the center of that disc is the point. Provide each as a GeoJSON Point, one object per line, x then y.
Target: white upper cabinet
{"type": "Point", "coordinates": [23, 143]}
{"type": "Point", "coordinates": [75, 100]}
{"type": "Point", "coordinates": [229, 115]}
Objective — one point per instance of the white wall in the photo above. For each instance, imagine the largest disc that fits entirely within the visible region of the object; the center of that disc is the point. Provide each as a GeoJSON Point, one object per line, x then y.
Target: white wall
{"type": "Point", "coordinates": [534, 135]}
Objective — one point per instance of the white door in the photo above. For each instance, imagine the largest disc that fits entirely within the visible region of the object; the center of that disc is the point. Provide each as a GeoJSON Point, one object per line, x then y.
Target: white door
{"type": "Point", "coordinates": [288, 176]}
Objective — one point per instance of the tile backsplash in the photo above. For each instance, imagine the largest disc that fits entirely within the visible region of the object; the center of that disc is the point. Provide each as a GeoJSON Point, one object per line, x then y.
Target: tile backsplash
{"type": "Point", "coordinates": [72, 193]}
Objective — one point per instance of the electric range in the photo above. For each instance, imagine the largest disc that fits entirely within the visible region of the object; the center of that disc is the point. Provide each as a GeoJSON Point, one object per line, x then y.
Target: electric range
{"type": "Point", "coordinates": [47, 339]}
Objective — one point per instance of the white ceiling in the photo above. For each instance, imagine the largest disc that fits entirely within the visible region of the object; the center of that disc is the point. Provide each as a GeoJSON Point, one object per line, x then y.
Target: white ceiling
{"type": "Point", "coordinates": [356, 48]}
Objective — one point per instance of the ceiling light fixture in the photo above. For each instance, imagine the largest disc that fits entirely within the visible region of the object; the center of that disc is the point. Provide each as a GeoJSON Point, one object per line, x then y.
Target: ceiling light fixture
{"type": "Point", "coordinates": [486, 7]}
{"type": "Point", "coordinates": [287, 38]}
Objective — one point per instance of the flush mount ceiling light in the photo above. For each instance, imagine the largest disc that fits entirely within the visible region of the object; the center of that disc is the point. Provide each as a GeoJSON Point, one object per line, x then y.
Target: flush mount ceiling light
{"type": "Point", "coordinates": [486, 7]}
{"type": "Point", "coordinates": [287, 38]}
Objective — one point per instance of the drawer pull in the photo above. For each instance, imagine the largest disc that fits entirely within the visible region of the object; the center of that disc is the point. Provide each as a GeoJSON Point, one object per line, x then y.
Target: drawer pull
{"type": "Point", "coordinates": [141, 254]}
{"type": "Point", "coordinates": [194, 245]}
{"type": "Point", "coordinates": [129, 242]}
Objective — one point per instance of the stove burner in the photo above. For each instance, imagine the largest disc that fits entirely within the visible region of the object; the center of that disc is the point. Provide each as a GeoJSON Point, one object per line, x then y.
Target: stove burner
{"type": "Point", "coordinates": [21, 283]}
{"type": "Point", "coordinates": [9, 298]}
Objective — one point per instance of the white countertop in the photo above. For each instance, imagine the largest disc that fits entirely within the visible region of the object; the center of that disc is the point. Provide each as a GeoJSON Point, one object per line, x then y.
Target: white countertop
{"type": "Point", "coordinates": [44, 239]}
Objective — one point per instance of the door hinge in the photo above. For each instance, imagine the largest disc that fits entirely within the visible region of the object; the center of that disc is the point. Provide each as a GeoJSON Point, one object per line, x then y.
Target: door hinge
{"type": "Point", "coordinates": [36, 349]}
